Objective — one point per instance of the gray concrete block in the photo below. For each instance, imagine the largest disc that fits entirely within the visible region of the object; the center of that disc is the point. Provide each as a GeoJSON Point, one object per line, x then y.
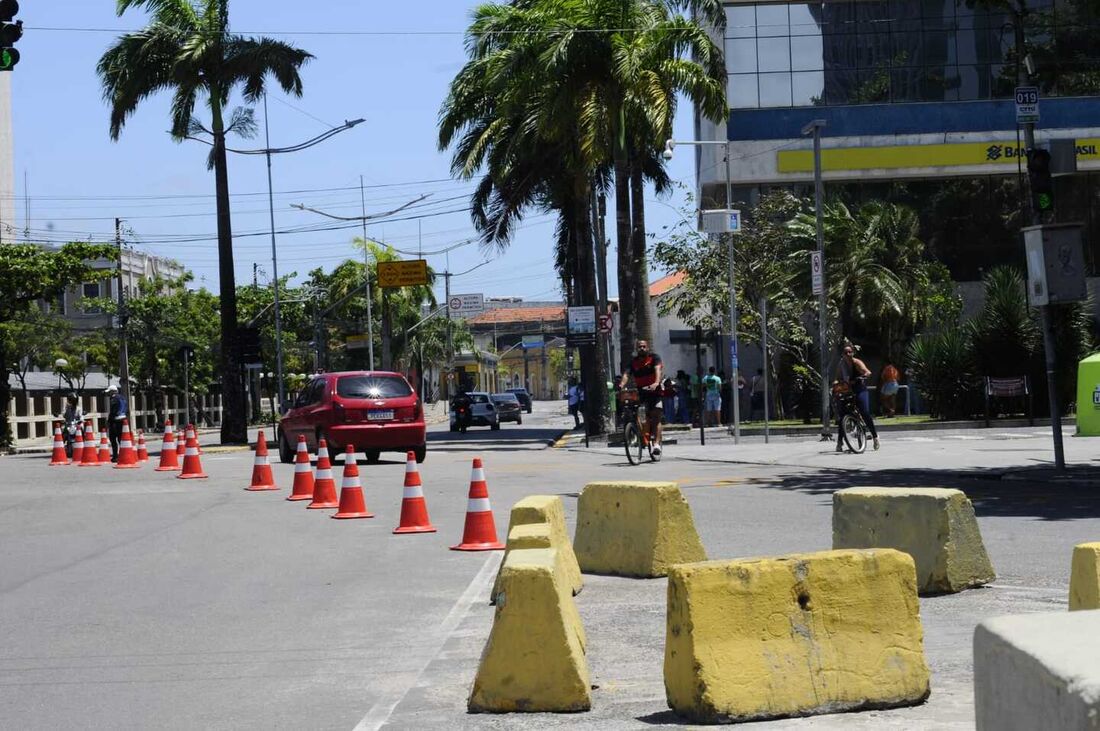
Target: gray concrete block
{"type": "Point", "coordinates": [1038, 671]}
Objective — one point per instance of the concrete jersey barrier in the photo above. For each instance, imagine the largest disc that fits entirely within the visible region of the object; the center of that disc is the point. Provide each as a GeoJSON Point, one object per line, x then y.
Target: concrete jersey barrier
{"type": "Point", "coordinates": [635, 529]}
{"type": "Point", "coordinates": [533, 660]}
{"type": "Point", "coordinates": [1084, 577]}
{"type": "Point", "coordinates": [1038, 671]}
{"type": "Point", "coordinates": [796, 635]}
{"type": "Point", "coordinates": [549, 509]}
{"type": "Point", "coordinates": [935, 526]}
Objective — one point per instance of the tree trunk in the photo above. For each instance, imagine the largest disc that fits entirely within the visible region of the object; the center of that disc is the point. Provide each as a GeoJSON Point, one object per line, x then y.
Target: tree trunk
{"type": "Point", "coordinates": [593, 357]}
{"type": "Point", "coordinates": [234, 428]}
{"type": "Point", "coordinates": [5, 400]}
{"type": "Point", "coordinates": [628, 334]}
{"type": "Point", "coordinates": [643, 322]}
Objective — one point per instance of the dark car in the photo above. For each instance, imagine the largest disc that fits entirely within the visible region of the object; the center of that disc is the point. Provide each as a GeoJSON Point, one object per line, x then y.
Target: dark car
{"type": "Point", "coordinates": [373, 411]}
{"type": "Point", "coordinates": [524, 397]}
{"type": "Point", "coordinates": [508, 407]}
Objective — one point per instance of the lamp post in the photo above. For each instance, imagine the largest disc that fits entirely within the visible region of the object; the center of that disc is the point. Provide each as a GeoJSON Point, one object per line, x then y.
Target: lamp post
{"type": "Point", "coordinates": [267, 152]}
{"type": "Point", "coordinates": [734, 365]}
{"type": "Point", "coordinates": [58, 366]}
{"type": "Point", "coordinates": [815, 128]}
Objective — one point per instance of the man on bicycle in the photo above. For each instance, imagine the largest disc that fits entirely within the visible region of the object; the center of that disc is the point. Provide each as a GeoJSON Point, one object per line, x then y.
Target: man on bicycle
{"type": "Point", "coordinates": [647, 370]}
{"type": "Point", "coordinates": [854, 372]}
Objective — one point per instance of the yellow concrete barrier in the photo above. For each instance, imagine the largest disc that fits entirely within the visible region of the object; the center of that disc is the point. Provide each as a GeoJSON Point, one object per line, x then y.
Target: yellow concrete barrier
{"type": "Point", "coordinates": [795, 635]}
{"type": "Point", "coordinates": [634, 529]}
{"type": "Point", "coordinates": [935, 526]}
{"type": "Point", "coordinates": [548, 509]}
{"type": "Point", "coordinates": [533, 661]}
{"type": "Point", "coordinates": [1084, 577]}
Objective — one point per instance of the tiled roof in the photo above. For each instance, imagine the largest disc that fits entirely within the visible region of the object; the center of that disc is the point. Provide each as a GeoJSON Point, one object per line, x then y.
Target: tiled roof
{"type": "Point", "coordinates": [666, 284]}
{"type": "Point", "coordinates": [519, 314]}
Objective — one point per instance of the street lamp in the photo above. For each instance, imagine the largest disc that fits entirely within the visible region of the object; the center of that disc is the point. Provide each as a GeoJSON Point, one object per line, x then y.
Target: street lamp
{"type": "Point", "coordinates": [58, 365]}
{"type": "Point", "coordinates": [670, 144]}
{"type": "Point", "coordinates": [815, 128]}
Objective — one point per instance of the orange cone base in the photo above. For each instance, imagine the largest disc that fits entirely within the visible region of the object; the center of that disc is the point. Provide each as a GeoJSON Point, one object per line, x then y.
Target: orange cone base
{"type": "Point", "coordinates": [416, 529]}
{"type": "Point", "coordinates": [325, 505]}
{"type": "Point", "coordinates": [260, 488]}
{"type": "Point", "coordinates": [498, 546]}
{"type": "Point", "coordinates": [126, 466]}
{"type": "Point", "coordinates": [301, 497]}
{"type": "Point", "coordinates": [346, 516]}
{"type": "Point", "coordinates": [167, 469]}
{"type": "Point", "coordinates": [193, 476]}
{"type": "Point", "coordinates": [58, 464]}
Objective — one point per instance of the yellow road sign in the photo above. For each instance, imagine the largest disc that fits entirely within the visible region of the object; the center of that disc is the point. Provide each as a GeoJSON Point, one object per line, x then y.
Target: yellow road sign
{"type": "Point", "coordinates": [393, 274]}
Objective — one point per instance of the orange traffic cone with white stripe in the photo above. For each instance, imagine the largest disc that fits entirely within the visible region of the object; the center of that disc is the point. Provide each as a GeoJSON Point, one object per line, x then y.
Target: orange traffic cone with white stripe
{"type": "Point", "coordinates": [192, 465]}
{"type": "Point", "coordinates": [89, 459]}
{"type": "Point", "coordinates": [104, 455]}
{"type": "Point", "coordinates": [127, 455]}
{"type": "Point", "coordinates": [352, 504]}
{"type": "Point", "coordinates": [142, 450]}
{"type": "Point", "coordinates": [169, 460]}
{"type": "Point", "coordinates": [181, 445]}
{"type": "Point", "coordinates": [480, 532]}
{"type": "Point", "coordinates": [324, 487]}
{"type": "Point", "coordinates": [59, 457]}
{"type": "Point", "coordinates": [303, 473]}
{"type": "Point", "coordinates": [261, 469]}
{"type": "Point", "coordinates": [414, 509]}
{"type": "Point", "coordinates": [78, 447]}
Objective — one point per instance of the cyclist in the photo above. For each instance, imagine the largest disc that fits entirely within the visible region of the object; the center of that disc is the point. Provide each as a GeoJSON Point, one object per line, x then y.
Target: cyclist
{"type": "Point", "coordinates": [648, 371]}
{"type": "Point", "coordinates": [854, 372]}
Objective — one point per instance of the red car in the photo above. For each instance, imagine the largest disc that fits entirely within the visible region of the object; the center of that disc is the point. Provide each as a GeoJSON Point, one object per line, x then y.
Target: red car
{"type": "Point", "coordinates": [373, 411]}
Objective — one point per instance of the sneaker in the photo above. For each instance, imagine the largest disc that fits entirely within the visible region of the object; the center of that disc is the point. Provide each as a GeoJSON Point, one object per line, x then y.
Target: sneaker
{"type": "Point", "coordinates": [839, 446]}
{"type": "Point", "coordinates": [657, 450]}
{"type": "Point", "coordinates": [876, 443]}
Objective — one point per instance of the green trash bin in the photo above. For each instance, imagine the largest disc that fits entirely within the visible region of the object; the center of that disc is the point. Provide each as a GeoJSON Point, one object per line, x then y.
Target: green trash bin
{"type": "Point", "coordinates": [1088, 396]}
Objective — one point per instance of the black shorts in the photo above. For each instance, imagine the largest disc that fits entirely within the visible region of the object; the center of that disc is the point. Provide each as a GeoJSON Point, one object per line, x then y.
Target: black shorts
{"type": "Point", "coordinates": [651, 399]}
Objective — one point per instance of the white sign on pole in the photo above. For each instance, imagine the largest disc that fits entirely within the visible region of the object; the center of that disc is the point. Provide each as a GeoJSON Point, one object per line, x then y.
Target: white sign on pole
{"type": "Point", "coordinates": [465, 305]}
{"type": "Point", "coordinates": [1027, 104]}
{"type": "Point", "coordinates": [721, 221]}
{"type": "Point", "coordinates": [817, 283]}
{"type": "Point", "coordinates": [580, 325]}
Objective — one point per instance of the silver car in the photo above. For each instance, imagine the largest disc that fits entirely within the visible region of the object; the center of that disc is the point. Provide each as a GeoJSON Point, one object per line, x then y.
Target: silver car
{"type": "Point", "coordinates": [482, 411]}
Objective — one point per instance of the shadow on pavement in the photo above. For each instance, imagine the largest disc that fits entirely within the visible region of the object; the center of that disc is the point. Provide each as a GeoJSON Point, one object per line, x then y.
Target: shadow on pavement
{"type": "Point", "coordinates": [993, 494]}
{"type": "Point", "coordinates": [534, 435]}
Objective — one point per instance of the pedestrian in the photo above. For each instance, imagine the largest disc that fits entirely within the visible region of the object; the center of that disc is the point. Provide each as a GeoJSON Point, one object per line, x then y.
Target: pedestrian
{"type": "Point", "coordinates": [742, 393]}
{"type": "Point", "coordinates": [683, 397]}
{"type": "Point", "coordinates": [696, 401]}
{"type": "Point", "coordinates": [116, 412]}
{"type": "Point", "coordinates": [726, 391]}
{"type": "Point", "coordinates": [888, 390]}
{"type": "Point", "coordinates": [854, 372]}
{"type": "Point", "coordinates": [574, 400]}
{"type": "Point", "coordinates": [756, 402]}
{"type": "Point", "coordinates": [668, 396]}
{"type": "Point", "coordinates": [712, 398]}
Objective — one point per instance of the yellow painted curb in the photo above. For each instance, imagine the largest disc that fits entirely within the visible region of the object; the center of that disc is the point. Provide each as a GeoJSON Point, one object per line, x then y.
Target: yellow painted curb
{"type": "Point", "coordinates": [533, 660]}
{"type": "Point", "coordinates": [936, 526]}
{"type": "Point", "coordinates": [549, 509]}
{"type": "Point", "coordinates": [1084, 577]}
{"type": "Point", "coordinates": [795, 635]}
{"type": "Point", "coordinates": [634, 529]}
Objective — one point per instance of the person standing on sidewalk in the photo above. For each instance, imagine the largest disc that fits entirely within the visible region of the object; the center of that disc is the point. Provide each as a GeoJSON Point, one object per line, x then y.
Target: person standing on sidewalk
{"type": "Point", "coordinates": [888, 390]}
{"type": "Point", "coordinates": [712, 398]}
{"type": "Point", "coordinates": [574, 396]}
{"type": "Point", "coordinates": [117, 408]}
{"type": "Point", "coordinates": [683, 397]}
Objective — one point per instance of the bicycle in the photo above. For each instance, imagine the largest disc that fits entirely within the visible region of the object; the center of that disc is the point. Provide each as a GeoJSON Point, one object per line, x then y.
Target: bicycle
{"type": "Point", "coordinates": [635, 432]}
{"type": "Point", "coordinates": [853, 429]}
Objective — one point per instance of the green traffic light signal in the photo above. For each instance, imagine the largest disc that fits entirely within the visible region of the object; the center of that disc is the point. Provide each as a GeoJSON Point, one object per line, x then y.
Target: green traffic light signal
{"type": "Point", "coordinates": [1046, 202]}
{"type": "Point", "coordinates": [8, 58]}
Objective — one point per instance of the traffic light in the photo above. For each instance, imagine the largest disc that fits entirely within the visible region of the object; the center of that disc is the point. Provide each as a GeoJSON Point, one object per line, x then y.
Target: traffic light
{"type": "Point", "coordinates": [1042, 184]}
{"type": "Point", "coordinates": [248, 341]}
{"type": "Point", "coordinates": [9, 33]}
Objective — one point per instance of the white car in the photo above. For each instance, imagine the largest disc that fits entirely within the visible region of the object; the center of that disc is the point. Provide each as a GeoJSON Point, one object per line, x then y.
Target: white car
{"type": "Point", "coordinates": [482, 411]}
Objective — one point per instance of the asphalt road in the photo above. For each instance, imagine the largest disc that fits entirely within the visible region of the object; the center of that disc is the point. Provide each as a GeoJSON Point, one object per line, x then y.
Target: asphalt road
{"type": "Point", "coordinates": [131, 599]}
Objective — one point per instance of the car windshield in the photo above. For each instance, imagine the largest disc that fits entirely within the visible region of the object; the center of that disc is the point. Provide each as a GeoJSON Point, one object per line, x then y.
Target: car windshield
{"type": "Point", "coordinates": [479, 398]}
{"type": "Point", "coordinates": [505, 397]}
{"type": "Point", "coordinates": [518, 390]}
{"type": "Point", "coordinates": [372, 387]}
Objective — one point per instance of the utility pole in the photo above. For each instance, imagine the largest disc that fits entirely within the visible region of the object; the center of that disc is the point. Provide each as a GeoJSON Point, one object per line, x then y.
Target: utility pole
{"type": "Point", "coordinates": [366, 277]}
{"type": "Point", "coordinates": [1035, 217]}
{"type": "Point", "coordinates": [187, 383]}
{"type": "Point", "coordinates": [814, 127]}
{"type": "Point", "coordinates": [450, 343]}
{"type": "Point", "coordinates": [123, 319]}
{"type": "Point", "coordinates": [735, 364]}
{"type": "Point", "coordinates": [764, 347]}
{"type": "Point", "coordinates": [274, 265]}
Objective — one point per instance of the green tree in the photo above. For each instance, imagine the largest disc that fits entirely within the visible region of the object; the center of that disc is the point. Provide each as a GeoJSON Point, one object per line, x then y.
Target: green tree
{"type": "Point", "coordinates": [29, 273]}
{"type": "Point", "coordinates": [31, 337]}
{"type": "Point", "coordinates": [188, 50]}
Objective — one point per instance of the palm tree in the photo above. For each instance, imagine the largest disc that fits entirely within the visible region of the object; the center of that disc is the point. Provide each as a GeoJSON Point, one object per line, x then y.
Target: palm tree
{"type": "Point", "coordinates": [187, 50]}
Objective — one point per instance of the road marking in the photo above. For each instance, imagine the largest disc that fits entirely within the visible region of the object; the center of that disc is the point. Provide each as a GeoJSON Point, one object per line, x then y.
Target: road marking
{"type": "Point", "coordinates": [477, 590]}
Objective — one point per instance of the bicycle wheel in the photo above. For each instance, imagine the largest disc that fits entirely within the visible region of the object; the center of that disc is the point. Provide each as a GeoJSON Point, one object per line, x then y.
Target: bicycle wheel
{"type": "Point", "coordinates": [855, 434]}
{"type": "Point", "coordinates": [632, 441]}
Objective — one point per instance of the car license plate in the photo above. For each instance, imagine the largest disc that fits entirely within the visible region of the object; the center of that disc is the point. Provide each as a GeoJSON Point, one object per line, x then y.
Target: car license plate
{"type": "Point", "coordinates": [386, 415]}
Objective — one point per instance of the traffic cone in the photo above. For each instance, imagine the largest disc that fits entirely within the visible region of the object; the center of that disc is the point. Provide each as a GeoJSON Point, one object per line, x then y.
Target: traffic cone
{"type": "Point", "coordinates": [169, 460]}
{"type": "Point", "coordinates": [104, 456]}
{"type": "Point", "coordinates": [127, 456]}
{"type": "Point", "coordinates": [414, 510]}
{"type": "Point", "coordinates": [324, 487]}
{"type": "Point", "coordinates": [89, 459]}
{"type": "Point", "coordinates": [261, 470]}
{"type": "Point", "coordinates": [192, 465]}
{"type": "Point", "coordinates": [480, 533]}
{"type": "Point", "coordinates": [303, 473]}
{"type": "Point", "coordinates": [78, 448]}
{"type": "Point", "coordinates": [59, 457]}
{"type": "Point", "coordinates": [352, 504]}
{"type": "Point", "coordinates": [142, 451]}
{"type": "Point", "coordinates": [181, 445]}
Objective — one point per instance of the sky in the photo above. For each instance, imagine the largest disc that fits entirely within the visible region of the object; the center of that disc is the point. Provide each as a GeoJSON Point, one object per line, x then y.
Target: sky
{"type": "Point", "coordinates": [373, 60]}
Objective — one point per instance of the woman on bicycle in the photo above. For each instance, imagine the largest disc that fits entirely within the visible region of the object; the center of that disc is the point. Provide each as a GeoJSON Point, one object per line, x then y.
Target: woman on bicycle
{"type": "Point", "coordinates": [854, 372]}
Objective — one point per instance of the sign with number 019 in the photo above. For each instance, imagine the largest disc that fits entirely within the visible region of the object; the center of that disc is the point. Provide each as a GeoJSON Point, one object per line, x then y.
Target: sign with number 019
{"type": "Point", "coordinates": [817, 277]}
